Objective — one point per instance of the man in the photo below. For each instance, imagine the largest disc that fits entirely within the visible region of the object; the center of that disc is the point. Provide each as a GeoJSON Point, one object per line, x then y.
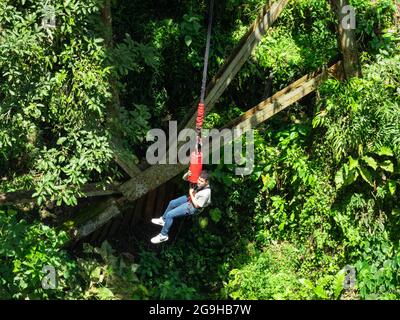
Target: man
{"type": "Point", "coordinates": [199, 197]}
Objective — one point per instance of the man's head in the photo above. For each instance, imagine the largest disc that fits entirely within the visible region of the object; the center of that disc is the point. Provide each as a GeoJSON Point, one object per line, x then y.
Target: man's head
{"type": "Point", "coordinates": [203, 179]}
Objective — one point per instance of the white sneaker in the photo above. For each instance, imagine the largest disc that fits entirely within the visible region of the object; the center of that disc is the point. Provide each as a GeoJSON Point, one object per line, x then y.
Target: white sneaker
{"type": "Point", "coordinates": [160, 221]}
{"type": "Point", "coordinates": [159, 238]}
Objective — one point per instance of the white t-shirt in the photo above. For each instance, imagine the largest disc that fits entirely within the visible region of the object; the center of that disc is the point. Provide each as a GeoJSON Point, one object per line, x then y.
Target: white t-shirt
{"type": "Point", "coordinates": [203, 196]}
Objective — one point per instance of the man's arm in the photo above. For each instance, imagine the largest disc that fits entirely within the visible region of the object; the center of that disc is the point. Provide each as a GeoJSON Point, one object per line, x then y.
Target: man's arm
{"type": "Point", "coordinates": [196, 204]}
{"type": "Point", "coordinates": [187, 175]}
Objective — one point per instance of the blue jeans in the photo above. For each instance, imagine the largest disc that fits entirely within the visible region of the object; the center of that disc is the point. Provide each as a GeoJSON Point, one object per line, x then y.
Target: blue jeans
{"type": "Point", "coordinates": [176, 208]}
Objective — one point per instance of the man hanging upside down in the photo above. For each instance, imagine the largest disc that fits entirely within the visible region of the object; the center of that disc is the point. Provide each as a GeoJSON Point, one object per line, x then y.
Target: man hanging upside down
{"type": "Point", "coordinates": [199, 197]}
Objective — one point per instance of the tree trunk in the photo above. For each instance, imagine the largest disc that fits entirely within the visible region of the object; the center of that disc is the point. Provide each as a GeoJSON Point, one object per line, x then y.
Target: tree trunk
{"type": "Point", "coordinates": [346, 40]}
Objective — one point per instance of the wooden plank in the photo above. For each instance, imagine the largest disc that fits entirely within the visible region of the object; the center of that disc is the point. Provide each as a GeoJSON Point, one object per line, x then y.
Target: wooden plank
{"type": "Point", "coordinates": [127, 216]}
{"type": "Point", "coordinates": [105, 231]}
{"type": "Point", "coordinates": [84, 227]}
{"type": "Point", "coordinates": [125, 159]}
{"type": "Point", "coordinates": [150, 179]}
{"type": "Point", "coordinates": [281, 100]}
{"type": "Point", "coordinates": [89, 190]}
{"type": "Point", "coordinates": [138, 210]}
{"type": "Point", "coordinates": [150, 204]}
{"type": "Point", "coordinates": [94, 237]}
{"type": "Point", "coordinates": [128, 166]}
{"type": "Point", "coordinates": [96, 190]}
{"type": "Point", "coordinates": [115, 225]}
{"type": "Point", "coordinates": [17, 197]}
{"type": "Point", "coordinates": [158, 209]}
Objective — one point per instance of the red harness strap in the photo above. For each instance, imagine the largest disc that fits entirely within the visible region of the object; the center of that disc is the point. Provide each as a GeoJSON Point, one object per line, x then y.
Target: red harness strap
{"type": "Point", "coordinates": [196, 166]}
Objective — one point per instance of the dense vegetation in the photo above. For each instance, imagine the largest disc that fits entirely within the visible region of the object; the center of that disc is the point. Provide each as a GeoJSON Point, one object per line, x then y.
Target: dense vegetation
{"type": "Point", "coordinates": [325, 191]}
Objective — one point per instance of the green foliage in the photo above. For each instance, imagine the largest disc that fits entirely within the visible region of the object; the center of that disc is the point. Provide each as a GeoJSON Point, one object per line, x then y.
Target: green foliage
{"type": "Point", "coordinates": [362, 115]}
{"type": "Point", "coordinates": [377, 280]}
{"type": "Point", "coordinates": [374, 23]}
{"type": "Point", "coordinates": [56, 86]}
{"type": "Point", "coordinates": [28, 246]}
{"type": "Point", "coordinates": [162, 284]}
{"type": "Point", "coordinates": [69, 167]}
{"type": "Point", "coordinates": [324, 192]}
{"type": "Point", "coordinates": [113, 278]}
{"type": "Point", "coordinates": [376, 168]}
{"type": "Point", "coordinates": [292, 48]}
{"type": "Point", "coordinates": [270, 275]}
{"type": "Point", "coordinates": [276, 273]}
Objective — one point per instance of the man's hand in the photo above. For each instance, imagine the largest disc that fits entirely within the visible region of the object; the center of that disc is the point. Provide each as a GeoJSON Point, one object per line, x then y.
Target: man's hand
{"type": "Point", "coordinates": [194, 201]}
{"type": "Point", "coordinates": [187, 175]}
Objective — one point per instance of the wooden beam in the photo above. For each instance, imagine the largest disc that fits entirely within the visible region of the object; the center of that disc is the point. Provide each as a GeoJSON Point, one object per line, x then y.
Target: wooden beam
{"type": "Point", "coordinates": [282, 99]}
{"type": "Point", "coordinates": [17, 197]}
{"type": "Point", "coordinates": [89, 190]}
{"type": "Point", "coordinates": [125, 160]}
{"type": "Point", "coordinates": [100, 215]}
{"type": "Point", "coordinates": [150, 179]}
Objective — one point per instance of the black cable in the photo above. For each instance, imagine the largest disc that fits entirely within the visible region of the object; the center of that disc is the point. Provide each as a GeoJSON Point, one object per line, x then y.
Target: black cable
{"type": "Point", "coordinates": [203, 84]}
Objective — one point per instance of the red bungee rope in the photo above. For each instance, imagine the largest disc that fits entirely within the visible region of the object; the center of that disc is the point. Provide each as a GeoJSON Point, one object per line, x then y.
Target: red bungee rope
{"type": "Point", "coordinates": [196, 158]}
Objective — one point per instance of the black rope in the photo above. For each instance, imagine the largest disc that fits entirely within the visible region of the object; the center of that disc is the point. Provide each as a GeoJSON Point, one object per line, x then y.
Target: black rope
{"type": "Point", "coordinates": [203, 84]}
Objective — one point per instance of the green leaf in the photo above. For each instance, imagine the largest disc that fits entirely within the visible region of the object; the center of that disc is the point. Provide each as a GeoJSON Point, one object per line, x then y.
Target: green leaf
{"type": "Point", "coordinates": [385, 151]}
{"type": "Point", "coordinates": [367, 175]}
{"type": "Point", "coordinates": [105, 293]}
{"type": "Point", "coordinates": [338, 283]}
{"type": "Point", "coordinates": [396, 212]}
{"type": "Point", "coordinates": [188, 40]}
{"type": "Point", "coordinates": [215, 214]}
{"type": "Point", "coordinates": [345, 176]}
{"type": "Point", "coordinates": [387, 165]}
{"type": "Point", "coordinates": [95, 275]}
{"type": "Point", "coordinates": [353, 163]}
{"type": "Point", "coordinates": [370, 161]}
{"type": "Point", "coordinates": [392, 187]}
{"type": "Point", "coordinates": [320, 292]}
{"type": "Point", "coordinates": [268, 182]}
{"type": "Point", "coordinates": [306, 283]}
{"type": "Point", "coordinates": [61, 140]}
{"type": "Point", "coordinates": [339, 179]}
{"type": "Point", "coordinates": [350, 177]}
{"type": "Point", "coordinates": [203, 222]}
